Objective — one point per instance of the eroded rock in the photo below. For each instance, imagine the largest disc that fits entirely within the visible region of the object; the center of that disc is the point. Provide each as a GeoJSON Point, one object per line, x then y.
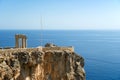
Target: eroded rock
{"type": "Point", "coordinates": [39, 65]}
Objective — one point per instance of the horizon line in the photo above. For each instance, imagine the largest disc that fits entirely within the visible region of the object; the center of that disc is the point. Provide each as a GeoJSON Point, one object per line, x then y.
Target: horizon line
{"type": "Point", "coordinates": [65, 29]}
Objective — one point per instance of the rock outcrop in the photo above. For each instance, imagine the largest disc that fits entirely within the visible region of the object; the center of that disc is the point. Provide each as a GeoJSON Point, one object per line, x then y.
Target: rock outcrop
{"type": "Point", "coordinates": [35, 64]}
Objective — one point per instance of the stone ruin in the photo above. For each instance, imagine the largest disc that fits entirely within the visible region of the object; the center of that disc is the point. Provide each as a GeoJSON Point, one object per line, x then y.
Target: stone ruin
{"type": "Point", "coordinates": [42, 63]}
{"type": "Point", "coordinates": [21, 44]}
{"type": "Point", "coordinates": [20, 41]}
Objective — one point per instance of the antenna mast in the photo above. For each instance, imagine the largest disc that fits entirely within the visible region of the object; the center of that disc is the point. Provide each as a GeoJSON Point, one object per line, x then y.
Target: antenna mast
{"type": "Point", "coordinates": [41, 30]}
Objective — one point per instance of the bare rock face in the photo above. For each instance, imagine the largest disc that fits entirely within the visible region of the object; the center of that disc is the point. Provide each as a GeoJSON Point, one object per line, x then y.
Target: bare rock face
{"type": "Point", "coordinates": [39, 65]}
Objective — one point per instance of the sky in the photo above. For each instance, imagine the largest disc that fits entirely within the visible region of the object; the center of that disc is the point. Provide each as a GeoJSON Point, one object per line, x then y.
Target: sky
{"type": "Point", "coordinates": [60, 14]}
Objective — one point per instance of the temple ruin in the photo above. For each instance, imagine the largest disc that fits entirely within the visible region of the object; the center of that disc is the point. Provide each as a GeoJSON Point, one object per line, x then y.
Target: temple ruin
{"type": "Point", "coordinates": [20, 41]}
{"type": "Point", "coordinates": [21, 44]}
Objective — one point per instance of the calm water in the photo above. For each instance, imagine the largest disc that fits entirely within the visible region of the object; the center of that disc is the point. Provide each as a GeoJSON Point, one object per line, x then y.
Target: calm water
{"type": "Point", "coordinates": [100, 49]}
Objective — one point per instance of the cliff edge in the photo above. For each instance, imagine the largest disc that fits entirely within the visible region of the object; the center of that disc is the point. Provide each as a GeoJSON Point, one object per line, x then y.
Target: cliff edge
{"type": "Point", "coordinates": [50, 63]}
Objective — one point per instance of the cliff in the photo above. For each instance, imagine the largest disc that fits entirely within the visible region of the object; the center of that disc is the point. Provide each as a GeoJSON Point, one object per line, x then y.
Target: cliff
{"type": "Point", "coordinates": [41, 64]}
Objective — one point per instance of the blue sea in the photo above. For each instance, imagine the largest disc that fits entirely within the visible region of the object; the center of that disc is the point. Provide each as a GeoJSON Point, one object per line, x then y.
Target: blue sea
{"type": "Point", "coordinates": [100, 48]}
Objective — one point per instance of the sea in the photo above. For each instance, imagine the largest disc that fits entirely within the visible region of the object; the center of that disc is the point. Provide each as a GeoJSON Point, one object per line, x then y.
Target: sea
{"type": "Point", "coordinates": [99, 48]}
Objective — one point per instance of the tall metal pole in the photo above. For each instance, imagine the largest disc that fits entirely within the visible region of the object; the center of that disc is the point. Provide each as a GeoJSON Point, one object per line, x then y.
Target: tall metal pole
{"type": "Point", "coordinates": [41, 31]}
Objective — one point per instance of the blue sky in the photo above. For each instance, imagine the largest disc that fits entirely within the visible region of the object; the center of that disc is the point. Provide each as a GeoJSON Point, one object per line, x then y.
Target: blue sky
{"type": "Point", "coordinates": [60, 14]}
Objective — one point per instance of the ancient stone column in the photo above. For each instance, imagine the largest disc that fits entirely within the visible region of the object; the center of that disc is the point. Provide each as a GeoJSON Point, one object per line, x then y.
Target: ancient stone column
{"type": "Point", "coordinates": [16, 41]}
{"type": "Point", "coordinates": [25, 43]}
{"type": "Point", "coordinates": [22, 43]}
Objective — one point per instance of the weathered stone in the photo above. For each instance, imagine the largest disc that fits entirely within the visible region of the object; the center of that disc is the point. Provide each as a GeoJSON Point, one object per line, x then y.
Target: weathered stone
{"type": "Point", "coordinates": [50, 45]}
{"type": "Point", "coordinates": [23, 57]}
{"type": "Point", "coordinates": [23, 43]}
{"type": "Point", "coordinates": [35, 64]}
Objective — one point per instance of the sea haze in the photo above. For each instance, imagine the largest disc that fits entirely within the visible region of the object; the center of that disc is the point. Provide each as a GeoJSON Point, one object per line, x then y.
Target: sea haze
{"type": "Point", "coordinates": [100, 49]}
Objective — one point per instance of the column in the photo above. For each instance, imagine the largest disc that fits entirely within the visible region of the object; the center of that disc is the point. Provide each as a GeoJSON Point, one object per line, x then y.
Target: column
{"type": "Point", "coordinates": [22, 43]}
{"type": "Point", "coordinates": [25, 43]}
{"type": "Point", "coordinates": [16, 42]}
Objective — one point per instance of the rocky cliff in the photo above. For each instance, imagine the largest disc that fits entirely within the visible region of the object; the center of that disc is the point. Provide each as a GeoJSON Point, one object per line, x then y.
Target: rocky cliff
{"type": "Point", "coordinates": [37, 64]}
